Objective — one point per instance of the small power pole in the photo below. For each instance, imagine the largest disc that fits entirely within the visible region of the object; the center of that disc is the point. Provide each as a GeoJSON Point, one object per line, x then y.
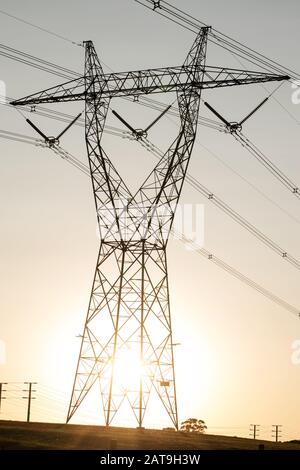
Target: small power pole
{"type": "Point", "coordinates": [276, 432]}
{"type": "Point", "coordinates": [1, 392]}
{"type": "Point", "coordinates": [254, 430]}
{"type": "Point", "coordinates": [29, 397]}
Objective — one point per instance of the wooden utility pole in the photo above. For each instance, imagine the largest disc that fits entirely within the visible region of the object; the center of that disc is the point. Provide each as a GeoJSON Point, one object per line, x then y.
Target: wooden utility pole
{"type": "Point", "coordinates": [1, 392]}
{"type": "Point", "coordinates": [29, 397]}
{"type": "Point", "coordinates": [277, 431]}
{"type": "Point", "coordinates": [254, 429]}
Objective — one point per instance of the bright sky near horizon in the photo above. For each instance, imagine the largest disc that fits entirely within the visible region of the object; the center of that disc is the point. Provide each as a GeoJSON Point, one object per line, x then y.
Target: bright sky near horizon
{"type": "Point", "coordinates": [233, 364]}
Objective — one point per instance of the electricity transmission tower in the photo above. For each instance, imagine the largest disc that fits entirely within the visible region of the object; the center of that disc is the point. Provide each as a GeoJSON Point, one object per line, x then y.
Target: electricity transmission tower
{"type": "Point", "coordinates": [128, 317]}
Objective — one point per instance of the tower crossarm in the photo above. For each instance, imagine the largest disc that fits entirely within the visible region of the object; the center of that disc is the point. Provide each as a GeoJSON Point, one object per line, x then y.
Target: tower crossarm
{"type": "Point", "coordinates": [215, 77]}
{"type": "Point", "coordinates": [179, 79]}
{"type": "Point", "coordinates": [145, 82]}
{"type": "Point", "coordinates": [72, 90]}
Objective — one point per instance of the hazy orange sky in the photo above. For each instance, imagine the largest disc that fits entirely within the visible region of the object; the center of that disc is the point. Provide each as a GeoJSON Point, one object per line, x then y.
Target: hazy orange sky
{"type": "Point", "coordinates": [233, 364]}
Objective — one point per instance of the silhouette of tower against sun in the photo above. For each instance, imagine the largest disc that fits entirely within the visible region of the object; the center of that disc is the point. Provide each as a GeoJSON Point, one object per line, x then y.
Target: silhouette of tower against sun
{"type": "Point", "coordinates": [126, 343]}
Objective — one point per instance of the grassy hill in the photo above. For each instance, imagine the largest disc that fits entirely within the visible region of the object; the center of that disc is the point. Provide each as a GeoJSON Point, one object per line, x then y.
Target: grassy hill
{"type": "Point", "coordinates": [20, 435]}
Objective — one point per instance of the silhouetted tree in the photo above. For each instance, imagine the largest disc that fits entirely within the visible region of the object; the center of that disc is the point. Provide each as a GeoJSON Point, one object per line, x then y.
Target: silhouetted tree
{"type": "Point", "coordinates": [193, 425]}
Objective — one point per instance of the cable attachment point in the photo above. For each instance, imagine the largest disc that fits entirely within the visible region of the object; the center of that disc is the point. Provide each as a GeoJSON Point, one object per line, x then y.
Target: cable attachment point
{"type": "Point", "coordinates": [51, 141]}
{"type": "Point", "coordinates": [80, 44]}
{"type": "Point", "coordinates": [156, 4]}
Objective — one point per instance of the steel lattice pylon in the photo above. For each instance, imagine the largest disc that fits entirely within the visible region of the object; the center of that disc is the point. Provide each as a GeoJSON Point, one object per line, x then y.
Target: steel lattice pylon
{"type": "Point", "coordinates": [129, 308]}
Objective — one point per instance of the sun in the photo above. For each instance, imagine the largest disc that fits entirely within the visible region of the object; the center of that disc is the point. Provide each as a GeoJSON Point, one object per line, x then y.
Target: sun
{"type": "Point", "coordinates": [128, 369]}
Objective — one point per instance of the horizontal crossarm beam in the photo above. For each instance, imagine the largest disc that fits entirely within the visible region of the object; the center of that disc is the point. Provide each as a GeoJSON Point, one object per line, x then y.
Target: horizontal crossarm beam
{"type": "Point", "coordinates": [73, 90]}
{"type": "Point", "coordinates": [180, 79]}
{"type": "Point", "coordinates": [215, 77]}
{"type": "Point", "coordinates": [150, 81]}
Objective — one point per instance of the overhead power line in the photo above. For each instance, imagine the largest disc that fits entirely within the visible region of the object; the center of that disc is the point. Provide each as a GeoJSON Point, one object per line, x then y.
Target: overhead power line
{"type": "Point", "coordinates": [235, 215]}
{"type": "Point", "coordinates": [44, 30]}
{"type": "Point", "coordinates": [235, 129]}
{"type": "Point", "coordinates": [245, 180]}
{"type": "Point", "coordinates": [245, 279]}
{"type": "Point", "coordinates": [216, 37]}
{"type": "Point", "coordinates": [36, 62]}
{"type": "Point", "coordinates": [267, 163]}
